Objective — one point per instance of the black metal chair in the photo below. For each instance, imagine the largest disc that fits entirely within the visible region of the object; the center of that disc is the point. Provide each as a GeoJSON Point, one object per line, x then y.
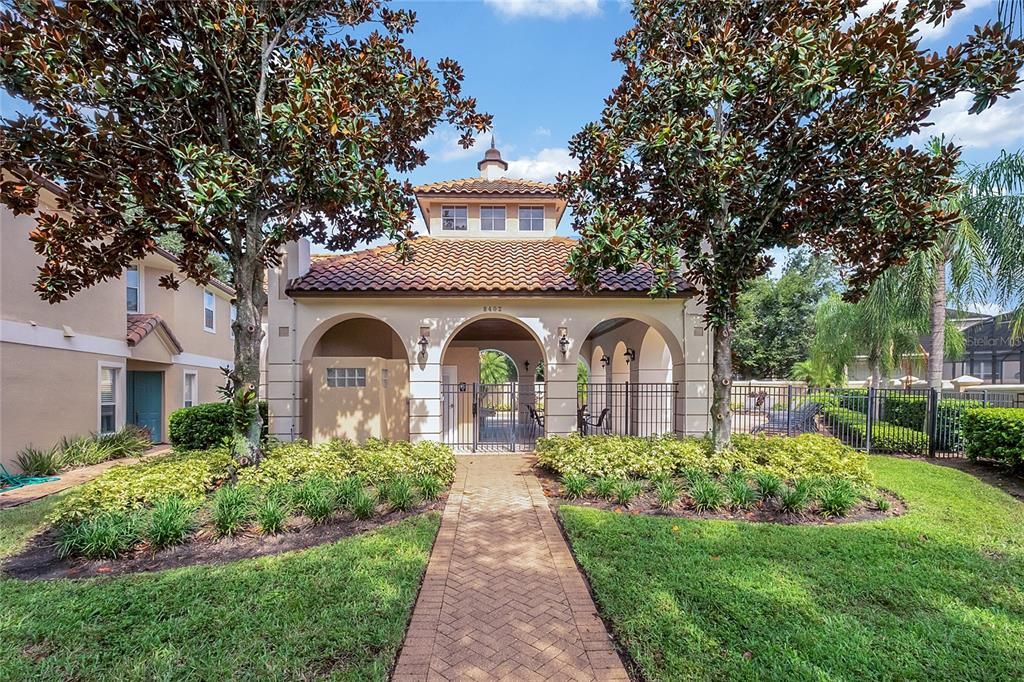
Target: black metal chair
{"type": "Point", "coordinates": [602, 423]}
{"type": "Point", "coordinates": [801, 421]}
{"type": "Point", "coordinates": [536, 421]}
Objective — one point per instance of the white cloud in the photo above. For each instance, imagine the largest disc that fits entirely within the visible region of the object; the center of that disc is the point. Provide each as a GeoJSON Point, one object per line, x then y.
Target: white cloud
{"type": "Point", "coordinates": [541, 131]}
{"type": "Point", "coordinates": [985, 308]}
{"type": "Point", "coordinates": [548, 9]}
{"type": "Point", "coordinates": [543, 166]}
{"type": "Point", "coordinates": [997, 126]}
{"type": "Point", "coordinates": [443, 145]}
{"type": "Point", "coordinates": [928, 31]}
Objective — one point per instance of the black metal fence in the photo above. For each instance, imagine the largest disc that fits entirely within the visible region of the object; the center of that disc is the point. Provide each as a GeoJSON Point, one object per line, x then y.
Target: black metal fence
{"type": "Point", "coordinates": [492, 417]}
{"type": "Point", "coordinates": [918, 421]}
{"type": "Point", "coordinates": [627, 409]}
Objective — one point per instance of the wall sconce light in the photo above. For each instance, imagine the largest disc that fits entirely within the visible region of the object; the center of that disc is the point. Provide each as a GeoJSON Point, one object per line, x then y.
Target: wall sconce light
{"type": "Point", "coordinates": [526, 365]}
{"type": "Point", "coordinates": [563, 341]}
{"type": "Point", "coordinates": [424, 340]}
{"type": "Point", "coordinates": [630, 355]}
{"type": "Point", "coordinates": [605, 360]}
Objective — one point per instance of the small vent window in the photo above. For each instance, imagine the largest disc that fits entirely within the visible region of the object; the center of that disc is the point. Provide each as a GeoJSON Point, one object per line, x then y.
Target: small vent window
{"type": "Point", "coordinates": [346, 377]}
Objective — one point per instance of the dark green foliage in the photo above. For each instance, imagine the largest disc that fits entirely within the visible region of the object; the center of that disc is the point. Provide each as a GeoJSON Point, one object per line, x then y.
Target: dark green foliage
{"type": "Point", "coordinates": [130, 441]}
{"type": "Point", "coordinates": [627, 491]}
{"type": "Point", "coordinates": [271, 513]}
{"type": "Point", "coordinates": [995, 433]}
{"type": "Point", "coordinates": [885, 437]}
{"type": "Point", "coordinates": [317, 498]}
{"type": "Point", "coordinates": [230, 509]}
{"type": "Point", "coordinates": [768, 485]}
{"type": "Point", "coordinates": [399, 493]}
{"type": "Point", "coordinates": [104, 536]}
{"type": "Point", "coordinates": [171, 521]}
{"type": "Point", "coordinates": [347, 488]}
{"type": "Point", "coordinates": [741, 495]}
{"type": "Point", "coordinates": [38, 462]}
{"type": "Point", "coordinates": [667, 493]}
{"type": "Point", "coordinates": [707, 495]}
{"type": "Point", "coordinates": [882, 503]}
{"type": "Point", "coordinates": [604, 487]}
{"type": "Point", "coordinates": [428, 486]}
{"type": "Point", "coordinates": [795, 499]}
{"type": "Point", "coordinates": [363, 504]}
{"type": "Point", "coordinates": [574, 486]}
{"type": "Point", "coordinates": [837, 497]}
{"type": "Point", "coordinates": [205, 426]}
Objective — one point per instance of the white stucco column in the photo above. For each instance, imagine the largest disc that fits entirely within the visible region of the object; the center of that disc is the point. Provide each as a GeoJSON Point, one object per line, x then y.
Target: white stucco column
{"type": "Point", "coordinates": [693, 402]}
{"type": "Point", "coordinates": [560, 386]}
{"type": "Point", "coordinates": [425, 392]}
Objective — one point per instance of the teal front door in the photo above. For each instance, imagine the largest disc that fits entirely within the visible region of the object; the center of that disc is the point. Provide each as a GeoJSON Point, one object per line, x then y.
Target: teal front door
{"type": "Point", "coordinates": [146, 402]}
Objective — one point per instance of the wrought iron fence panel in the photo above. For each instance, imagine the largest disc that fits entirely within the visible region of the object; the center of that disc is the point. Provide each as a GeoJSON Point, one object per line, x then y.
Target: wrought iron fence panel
{"type": "Point", "coordinates": [626, 409]}
{"type": "Point", "coordinates": [492, 417]}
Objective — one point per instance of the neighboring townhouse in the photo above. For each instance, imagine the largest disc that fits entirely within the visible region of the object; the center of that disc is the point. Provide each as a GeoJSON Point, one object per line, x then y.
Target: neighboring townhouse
{"type": "Point", "coordinates": [122, 352]}
{"type": "Point", "coordinates": [364, 345]}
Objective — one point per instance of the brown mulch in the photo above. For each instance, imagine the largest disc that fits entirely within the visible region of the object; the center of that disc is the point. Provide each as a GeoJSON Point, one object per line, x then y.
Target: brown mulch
{"type": "Point", "coordinates": [762, 512]}
{"type": "Point", "coordinates": [39, 560]}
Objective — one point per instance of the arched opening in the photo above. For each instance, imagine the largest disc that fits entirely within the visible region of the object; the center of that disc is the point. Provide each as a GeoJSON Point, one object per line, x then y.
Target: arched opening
{"type": "Point", "coordinates": [636, 393]}
{"type": "Point", "coordinates": [490, 398]}
{"type": "Point", "coordinates": [357, 382]}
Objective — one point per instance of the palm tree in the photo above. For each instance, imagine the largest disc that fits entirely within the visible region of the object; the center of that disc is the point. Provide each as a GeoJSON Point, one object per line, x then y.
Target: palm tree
{"type": "Point", "coordinates": [494, 368]}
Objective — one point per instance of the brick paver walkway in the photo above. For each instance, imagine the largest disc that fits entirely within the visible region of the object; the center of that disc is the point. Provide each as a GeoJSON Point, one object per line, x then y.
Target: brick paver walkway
{"type": "Point", "coordinates": [502, 598]}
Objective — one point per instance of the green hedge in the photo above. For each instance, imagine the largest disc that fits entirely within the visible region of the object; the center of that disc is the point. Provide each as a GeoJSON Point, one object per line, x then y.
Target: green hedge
{"type": "Point", "coordinates": [205, 426]}
{"type": "Point", "coordinates": [885, 436]}
{"type": "Point", "coordinates": [995, 433]}
{"type": "Point", "coordinates": [625, 456]}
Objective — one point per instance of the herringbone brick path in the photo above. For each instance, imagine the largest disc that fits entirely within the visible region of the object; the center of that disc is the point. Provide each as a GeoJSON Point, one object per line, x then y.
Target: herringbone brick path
{"type": "Point", "coordinates": [502, 598]}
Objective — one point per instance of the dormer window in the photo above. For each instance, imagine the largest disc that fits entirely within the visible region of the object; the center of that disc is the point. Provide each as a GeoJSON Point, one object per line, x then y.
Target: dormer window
{"type": "Point", "coordinates": [531, 218]}
{"type": "Point", "coordinates": [492, 218]}
{"type": "Point", "coordinates": [454, 218]}
{"type": "Point", "coordinates": [131, 277]}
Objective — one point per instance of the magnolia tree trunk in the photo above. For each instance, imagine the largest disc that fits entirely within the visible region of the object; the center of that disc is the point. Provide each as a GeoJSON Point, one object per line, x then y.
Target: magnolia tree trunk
{"type": "Point", "coordinates": [250, 300]}
{"type": "Point", "coordinates": [937, 339]}
{"type": "Point", "coordinates": [721, 383]}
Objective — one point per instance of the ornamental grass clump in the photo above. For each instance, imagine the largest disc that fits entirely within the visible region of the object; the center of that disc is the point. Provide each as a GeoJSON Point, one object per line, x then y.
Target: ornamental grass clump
{"type": "Point", "coordinates": [399, 493]}
{"type": "Point", "coordinates": [575, 486]}
{"type": "Point", "coordinates": [794, 500]}
{"type": "Point", "coordinates": [768, 485]}
{"type": "Point", "coordinates": [882, 504]}
{"type": "Point", "coordinates": [626, 491]}
{"type": "Point", "coordinates": [740, 494]}
{"type": "Point", "coordinates": [837, 497]}
{"type": "Point", "coordinates": [346, 489]}
{"type": "Point", "coordinates": [270, 514]}
{"type": "Point", "coordinates": [39, 462]}
{"type": "Point", "coordinates": [363, 504]}
{"type": "Point", "coordinates": [707, 495]}
{"type": "Point", "coordinates": [604, 487]}
{"type": "Point", "coordinates": [429, 486]}
{"type": "Point", "coordinates": [317, 499]}
{"type": "Point", "coordinates": [104, 536]}
{"type": "Point", "coordinates": [171, 522]}
{"type": "Point", "coordinates": [667, 493]}
{"type": "Point", "coordinates": [230, 509]}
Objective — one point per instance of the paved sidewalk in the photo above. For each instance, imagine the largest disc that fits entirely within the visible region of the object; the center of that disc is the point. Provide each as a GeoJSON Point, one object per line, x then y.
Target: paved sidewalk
{"type": "Point", "coordinates": [69, 479]}
{"type": "Point", "coordinates": [502, 597]}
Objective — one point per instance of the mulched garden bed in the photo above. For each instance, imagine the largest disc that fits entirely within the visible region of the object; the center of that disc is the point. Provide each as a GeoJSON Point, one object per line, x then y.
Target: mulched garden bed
{"type": "Point", "coordinates": [39, 560]}
{"type": "Point", "coordinates": [762, 512]}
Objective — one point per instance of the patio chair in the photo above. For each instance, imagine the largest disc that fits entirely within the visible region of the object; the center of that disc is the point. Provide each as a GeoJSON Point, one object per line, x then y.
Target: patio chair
{"type": "Point", "coordinates": [800, 420]}
{"type": "Point", "coordinates": [601, 424]}
{"type": "Point", "coordinates": [536, 421]}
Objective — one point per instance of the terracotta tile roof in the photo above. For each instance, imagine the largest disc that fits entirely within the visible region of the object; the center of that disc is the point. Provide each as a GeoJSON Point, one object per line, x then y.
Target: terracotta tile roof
{"type": "Point", "coordinates": [140, 325]}
{"type": "Point", "coordinates": [485, 186]}
{"type": "Point", "coordinates": [463, 266]}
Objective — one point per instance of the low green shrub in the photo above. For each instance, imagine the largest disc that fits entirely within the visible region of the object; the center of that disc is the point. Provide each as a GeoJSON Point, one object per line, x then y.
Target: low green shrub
{"type": "Point", "coordinates": [627, 491]}
{"type": "Point", "coordinates": [347, 489]}
{"type": "Point", "coordinates": [170, 523]}
{"type": "Point", "coordinates": [667, 493]}
{"type": "Point", "coordinates": [604, 487]}
{"type": "Point", "coordinates": [399, 493]}
{"type": "Point", "coordinates": [707, 495]}
{"type": "Point", "coordinates": [837, 497]}
{"type": "Point", "coordinates": [631, 457]}
{"type": "Point", "coordinates": [317, 498]}
{"type": "Point", "coordinates": [271, 512]}
{"type": "Point", "coordinates": [768, 484]}
{"type": "Point", "coordinates": [188, 475]}
{"type": "Point", "coordinates": [740, 494]}
{"type": "Point", "coordinates": [995, 433]}
{"type": "Point", "coordinates": [130, 441]}
{"type": "Point", "coordinates": [231, 509]}
{"type": "Point", "coordinates": [205, 426]}
{"type": "Point", "coordinates": [885, 437]}
{"type": "Point", "coordinates": [84, 450]}
{"type": "Point", "coordinates": [363, 504]}
{"type": "Point", "coordinates": [429, 486]}
{"type": "Point", "coordinates": [795, 499]}
{"type": "Point", "coordinates": [39, 462]}
{"type": "Point", "coordinates": [104, 536]}
{"type": "Point", "coordinates": [575, 486]}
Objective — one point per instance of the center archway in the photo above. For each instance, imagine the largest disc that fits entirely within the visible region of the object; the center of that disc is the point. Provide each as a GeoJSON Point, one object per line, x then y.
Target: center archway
{"type": "Point", "coordinates": [490, 398]}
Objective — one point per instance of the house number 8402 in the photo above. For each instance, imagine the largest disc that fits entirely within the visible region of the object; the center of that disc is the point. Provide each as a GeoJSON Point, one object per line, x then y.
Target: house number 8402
{"type": "Point", "coordinates": [492, 308]}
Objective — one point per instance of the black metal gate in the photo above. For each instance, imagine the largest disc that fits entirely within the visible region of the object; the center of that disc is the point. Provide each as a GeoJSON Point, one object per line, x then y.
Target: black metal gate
{"type": "Point", "coordinates": [492, 417]}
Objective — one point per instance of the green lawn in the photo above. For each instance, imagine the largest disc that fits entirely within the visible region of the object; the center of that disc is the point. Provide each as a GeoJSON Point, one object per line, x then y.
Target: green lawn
{"type": "Point", "coordinates": [337, 611]}
{"type": "Point", "coordinates": [935, 594]}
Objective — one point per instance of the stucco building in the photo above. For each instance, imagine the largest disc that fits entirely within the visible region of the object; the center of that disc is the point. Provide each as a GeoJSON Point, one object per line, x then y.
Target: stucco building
{"type": "Point", "coordinates": [123, 351]}
{"type": "Point", "coordinates": [363, 345]}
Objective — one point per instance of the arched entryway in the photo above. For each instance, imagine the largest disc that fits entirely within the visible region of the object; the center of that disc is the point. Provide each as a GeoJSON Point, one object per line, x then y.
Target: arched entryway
{"type": "Point", "coordinates": [636, 392]}
{"type": "Point", "coordinates": [356, 382]}
{"type": "Point", "coordinates": [490, 398]}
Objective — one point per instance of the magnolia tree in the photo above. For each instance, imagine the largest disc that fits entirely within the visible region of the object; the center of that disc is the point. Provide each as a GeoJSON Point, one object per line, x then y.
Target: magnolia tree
{"type": "Point", "coordinates": [234, 126]}
{"type": "Point", "coordinates": [740, 126]}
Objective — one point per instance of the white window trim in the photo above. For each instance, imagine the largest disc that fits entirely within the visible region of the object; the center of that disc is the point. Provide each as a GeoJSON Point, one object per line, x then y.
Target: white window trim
{"type": "Point", "coordinates": [195, 387]}
{"type": "Point", "coordinates": [455, 229]}
{"type": "Point", "coordinates": [120, 395]}
{"type": "Point", "coordinates": [504, 218]}
{"type": "Point", "coordinates": [141, 297]}
{"type": "Point", "coordinates": [232, 316]}
{"type": "Point", "coordinates": [543, 218]}
{"type": "Point", "coordinates": [213, 297]}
